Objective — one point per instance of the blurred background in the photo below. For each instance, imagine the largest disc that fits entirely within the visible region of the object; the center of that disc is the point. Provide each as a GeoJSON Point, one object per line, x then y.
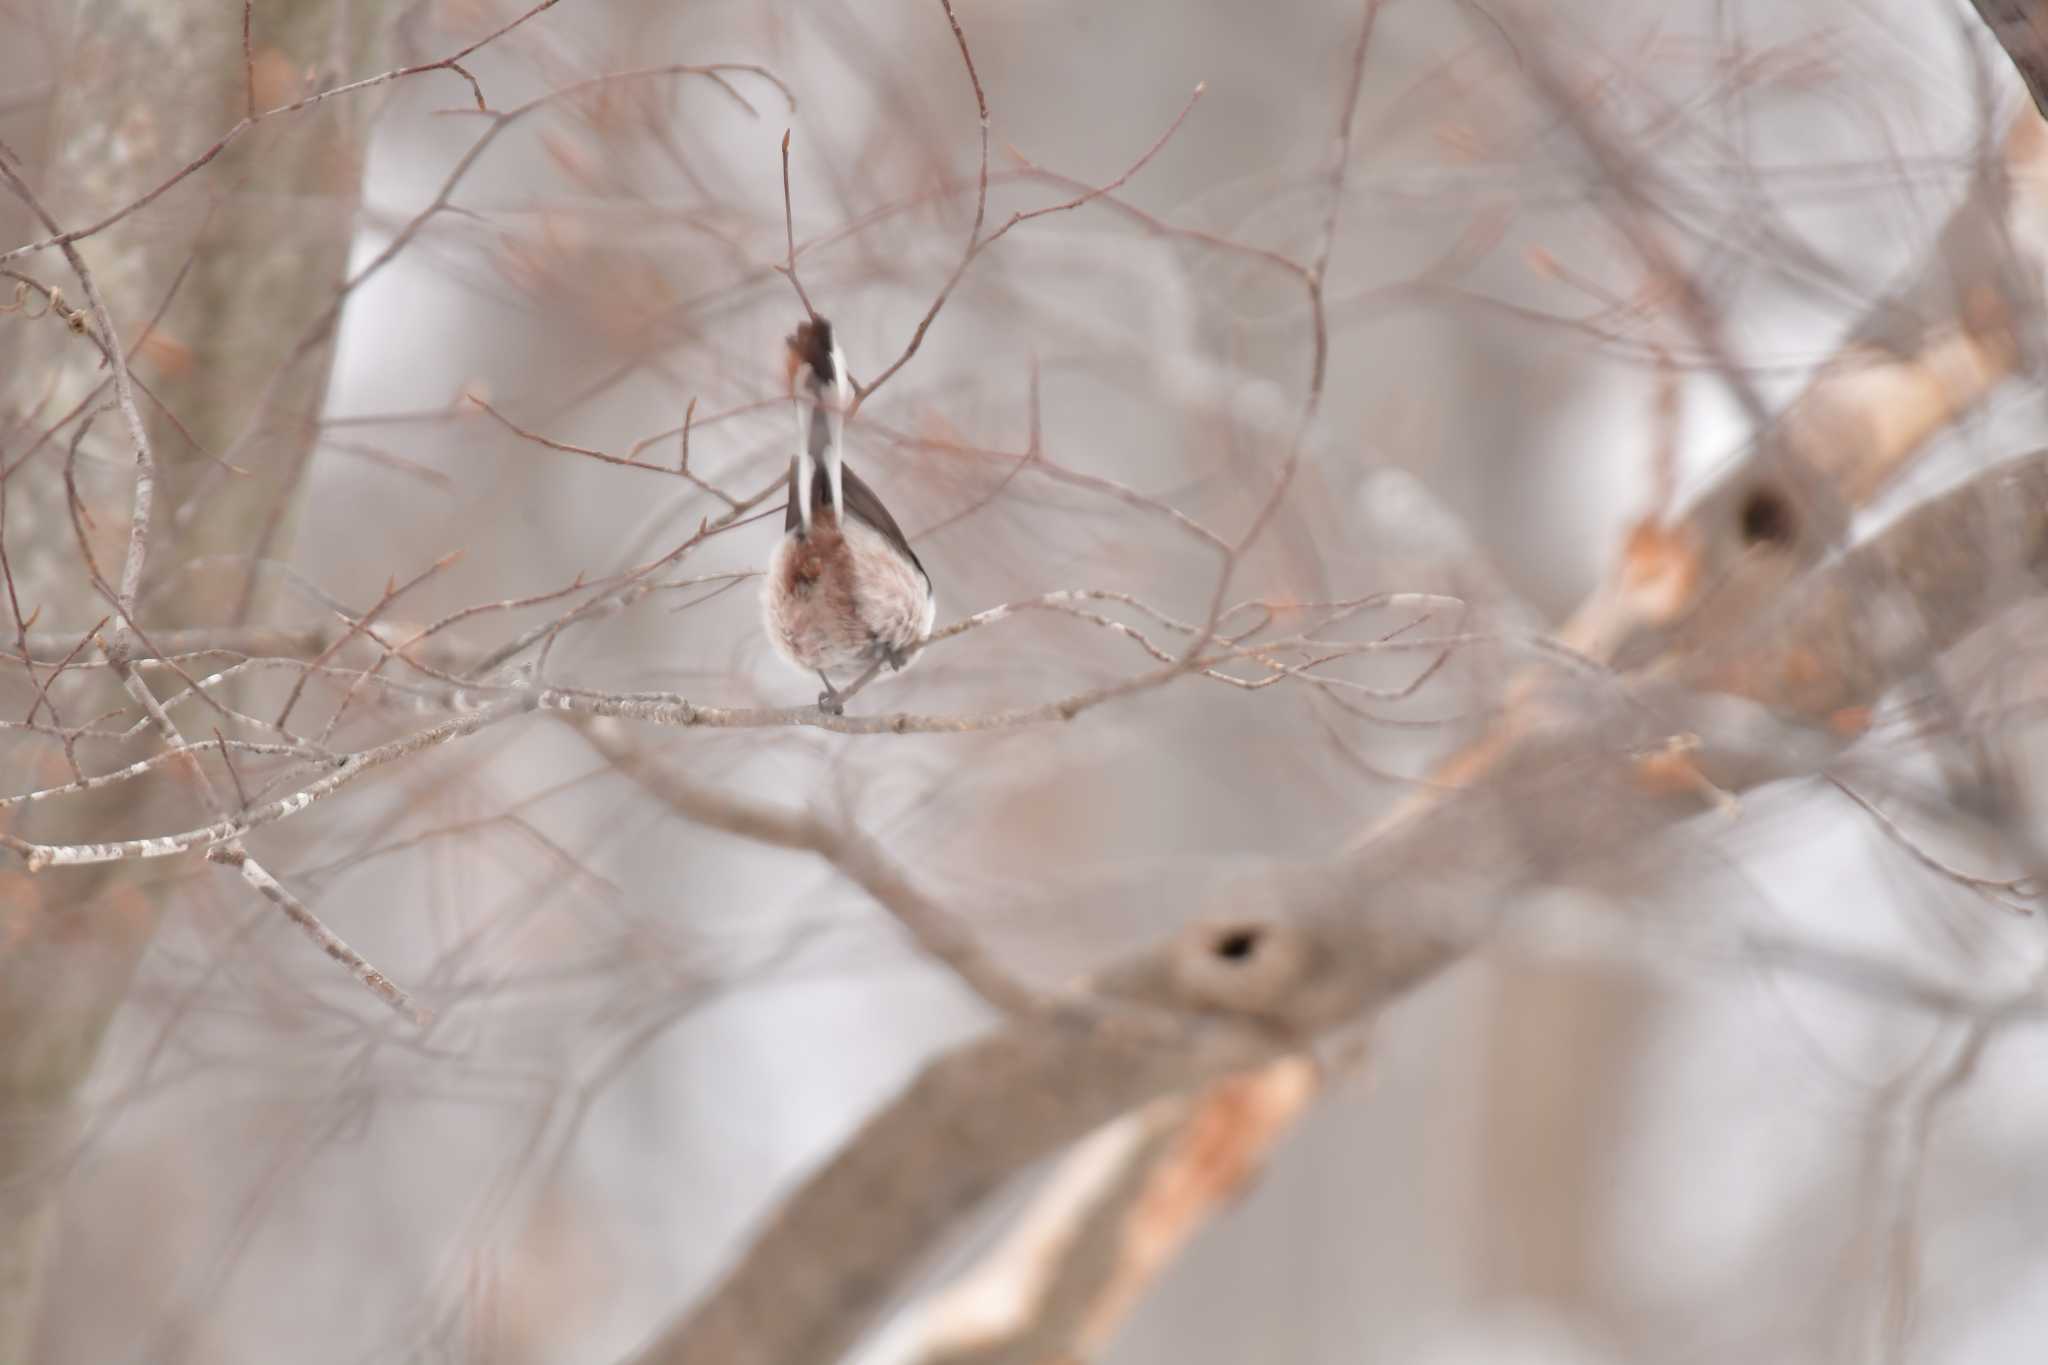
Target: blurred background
{"type": "Point", "coordinates": [1572, 1149]}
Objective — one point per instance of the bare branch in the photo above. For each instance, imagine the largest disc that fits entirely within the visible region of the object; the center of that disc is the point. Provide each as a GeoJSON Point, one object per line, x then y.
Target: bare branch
{"type": "Point", "coordinates": [789, 259]}
{"type": "Point", "coordinates": [124, 390]}
{"type": "Point", "coordinates": [936, 930]}
{"type": "Point", "coordinates": [221, 144]}
{"type": "Point", "coordinates": [1344, 937]}
{"type": "Point", "coordinates": [383, 987]}
{"type": "Point", "coordinates": [2021, 28]}
{"type": "Point", "coordinates": [974, 242]}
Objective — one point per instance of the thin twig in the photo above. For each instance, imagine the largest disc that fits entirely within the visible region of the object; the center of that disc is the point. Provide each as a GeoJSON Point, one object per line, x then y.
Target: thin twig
{"type": "Point", "coordinates": [935, 929]}
{"type": "Point", "coordinates": [392, 592]}
{"type": "Point", "coordinates": [131, 413]}
{"type": "Point", "coordinates": [227, 139]}
{"type": "Point", "coordinates": [248, 62]}
{"type": "Point", "coordinates": [789, 241]}
{"type": "Point", "coordinates": [2000, 891]}
{"type": "Point", "coordinates": [974, 242]}
{"type": "Point", "coordinates": [267, 886]}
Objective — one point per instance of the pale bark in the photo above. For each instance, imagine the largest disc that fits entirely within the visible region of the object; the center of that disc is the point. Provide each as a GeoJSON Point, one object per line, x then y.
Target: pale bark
{"type": "Point", "coordinates": [1304, 949]}
{"type": "Point", "coordinates": [143, 87]}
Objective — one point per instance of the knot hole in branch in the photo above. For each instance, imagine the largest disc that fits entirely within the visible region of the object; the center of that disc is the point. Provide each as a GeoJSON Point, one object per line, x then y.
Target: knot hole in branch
{"type": "Point", "coordinates": [1242, 965]}
{"type": "Point", "coordinates": [1766, 518]}
{"type": "Point", "coordinates": [1236, 943]}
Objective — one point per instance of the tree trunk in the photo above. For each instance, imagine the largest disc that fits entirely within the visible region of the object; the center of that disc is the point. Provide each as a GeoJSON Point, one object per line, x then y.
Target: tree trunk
{"type": "Point", "coordinates": [261, 235]}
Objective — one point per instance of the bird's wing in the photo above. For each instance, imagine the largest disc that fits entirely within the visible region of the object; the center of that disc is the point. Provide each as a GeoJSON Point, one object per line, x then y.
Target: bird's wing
{"type": "Point", "coordinates": [792, 515]}
{"type": "Point", "coordinates": [861, 502]}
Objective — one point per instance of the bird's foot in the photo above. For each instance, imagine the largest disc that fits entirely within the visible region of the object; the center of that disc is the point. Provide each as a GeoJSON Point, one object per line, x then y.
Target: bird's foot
{"type": "Point", "coordinates": [831, 701]}
{"type": "Point", "coordinates": [896, 657]}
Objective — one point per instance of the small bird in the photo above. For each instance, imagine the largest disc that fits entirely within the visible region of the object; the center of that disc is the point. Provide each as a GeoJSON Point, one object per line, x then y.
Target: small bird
{"type": "Point", "coordinates": [844, 588]}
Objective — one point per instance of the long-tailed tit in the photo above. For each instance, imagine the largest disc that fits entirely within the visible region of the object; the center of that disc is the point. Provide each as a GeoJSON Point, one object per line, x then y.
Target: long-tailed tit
{"type": "Point", "coordinates": [844, 588]}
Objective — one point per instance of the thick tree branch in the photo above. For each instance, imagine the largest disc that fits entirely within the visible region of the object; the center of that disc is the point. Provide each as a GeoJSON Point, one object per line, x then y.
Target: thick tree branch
{"type": "Point", "coordinates": [2021, 28]}
{"type": "Point", "coordinates": [1294, 952]}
